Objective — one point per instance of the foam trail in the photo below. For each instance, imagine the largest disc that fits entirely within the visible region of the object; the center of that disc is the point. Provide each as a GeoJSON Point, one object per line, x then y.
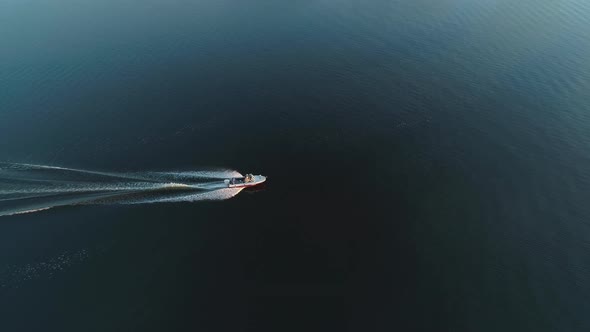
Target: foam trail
{"type": "Point", "coordinates": [15, 212]}
{"type": "Point", "coordinates": [34, 205]}
{"type": "Point", "coordinates": [26, 188]}
{"type": "Point", "coordinates": [95, 188]}
{"type": "Point", "coordinates": [213, 195]}
{"type": "Point", "coordinates": [32, 167]}
{"type": "Point", "coordinates": [217, 174]}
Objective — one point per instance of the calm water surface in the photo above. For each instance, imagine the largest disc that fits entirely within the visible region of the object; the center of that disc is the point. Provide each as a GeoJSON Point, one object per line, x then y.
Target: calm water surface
{"type": "Point", "coordinates": [428, 163]}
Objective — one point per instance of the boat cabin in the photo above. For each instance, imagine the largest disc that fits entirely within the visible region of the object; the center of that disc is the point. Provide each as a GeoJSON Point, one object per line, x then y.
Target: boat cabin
{"type": "Point", "coordinates": [246, 179]}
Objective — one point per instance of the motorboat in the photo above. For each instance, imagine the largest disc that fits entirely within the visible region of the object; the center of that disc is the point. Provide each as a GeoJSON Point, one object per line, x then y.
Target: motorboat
{"type": "Point", "coordinates": [246, 181]}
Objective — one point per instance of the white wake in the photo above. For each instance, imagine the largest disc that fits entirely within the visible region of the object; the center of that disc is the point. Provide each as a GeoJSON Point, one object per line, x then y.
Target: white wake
{"type": "Point", "coordinates": [26, 188]}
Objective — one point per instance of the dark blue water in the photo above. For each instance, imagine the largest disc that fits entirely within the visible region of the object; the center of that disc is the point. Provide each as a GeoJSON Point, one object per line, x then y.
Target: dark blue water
{"type": "Point", "coordinates": [428, 163]}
